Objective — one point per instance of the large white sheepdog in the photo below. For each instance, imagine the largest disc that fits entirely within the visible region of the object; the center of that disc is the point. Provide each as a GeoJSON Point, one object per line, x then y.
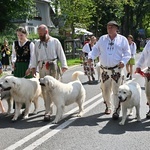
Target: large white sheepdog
{"type": "Point", "coordinates": [129, 95]}
{"type": "Point", "coordinates": [23, 91]}
{"type": "Point", "coordinates": [63, 94]}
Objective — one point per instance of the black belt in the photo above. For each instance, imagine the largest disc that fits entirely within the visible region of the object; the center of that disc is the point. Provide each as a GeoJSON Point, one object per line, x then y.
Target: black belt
{"type": "Point", "coordinates": [109, 68]}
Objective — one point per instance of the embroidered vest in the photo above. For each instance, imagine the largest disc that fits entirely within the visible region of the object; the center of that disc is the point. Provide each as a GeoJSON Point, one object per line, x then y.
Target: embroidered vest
{"type": "Point", "coordinates": [22, 53]}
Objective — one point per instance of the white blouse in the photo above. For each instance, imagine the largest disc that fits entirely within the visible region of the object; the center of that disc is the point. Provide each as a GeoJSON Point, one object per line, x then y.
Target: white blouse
{"type": "Point", "coordinates": [133, 49]}
{"type": "Point", "coordinates": [86, 48]}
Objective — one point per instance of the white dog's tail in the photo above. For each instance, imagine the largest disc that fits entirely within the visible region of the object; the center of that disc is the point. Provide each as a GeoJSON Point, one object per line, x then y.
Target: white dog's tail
{"type": "Point", "coordinates": [76, 74]}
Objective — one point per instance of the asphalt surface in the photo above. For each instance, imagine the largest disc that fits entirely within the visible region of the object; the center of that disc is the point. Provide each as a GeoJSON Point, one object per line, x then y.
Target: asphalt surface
{"type": "Point", "coordinates": [94, 130]}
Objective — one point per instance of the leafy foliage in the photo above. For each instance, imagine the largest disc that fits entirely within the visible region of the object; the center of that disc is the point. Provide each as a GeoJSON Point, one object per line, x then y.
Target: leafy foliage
{"type": "Point", "coordinates": [90, 14]}
{"type": "Point", "coordinates": [76, 12]}
{"type": "Point", "coordinates": [15, 9]}
{"type": "Point", "coordinates": [130, 14]}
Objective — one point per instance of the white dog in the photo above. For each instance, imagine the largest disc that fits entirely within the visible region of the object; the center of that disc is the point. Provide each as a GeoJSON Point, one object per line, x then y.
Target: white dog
{"type": "Point", "coordinates": [5, 95]}
{"type": "Point", "coordinates": [63, 94]}
{"type": "Point", "coordinates": [23, 91]}
{"type": "Point", "coordinates": [129, 95]}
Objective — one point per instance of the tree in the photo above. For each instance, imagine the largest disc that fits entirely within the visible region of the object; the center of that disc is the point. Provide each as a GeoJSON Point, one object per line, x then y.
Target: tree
{"type": "Point", "coordinates": [135, 16]}
{"type": "Point", "coordinates": [106, 11]}
{"type": "Point", "coordinates": [130, 15]}
{"type": "Point", "coordinates": [76, 12]}
{"type": "Point", "coordinates": [15, 9]}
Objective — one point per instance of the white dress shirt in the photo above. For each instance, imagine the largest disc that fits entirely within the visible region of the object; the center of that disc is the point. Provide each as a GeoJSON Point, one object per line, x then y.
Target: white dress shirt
{"type": "Point", "coordinates": [48, 52]}
{"type": "Point", "coordinates": [145, 57]}
{"type": "Point", "coordinates": [13, 56]}
{"type": "Point", "coordinates": [111, 52]}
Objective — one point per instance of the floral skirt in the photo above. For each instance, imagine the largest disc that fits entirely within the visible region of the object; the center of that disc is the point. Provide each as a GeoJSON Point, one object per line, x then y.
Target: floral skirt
{"type": "Point", "coordinates": [88, 69]}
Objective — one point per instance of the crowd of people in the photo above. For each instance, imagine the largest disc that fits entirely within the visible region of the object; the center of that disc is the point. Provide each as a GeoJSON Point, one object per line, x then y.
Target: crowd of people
{"type": "Point", "coordinates": [114, 51]}
{"type": "Point", "coordinates": [27, 57]}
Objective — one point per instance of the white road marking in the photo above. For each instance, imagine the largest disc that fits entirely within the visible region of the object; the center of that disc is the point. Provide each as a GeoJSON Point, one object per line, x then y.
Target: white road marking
{"type": "Point", "coordinates": [42, 129]}
{"type": "Point", "coordinates": [59, 128]}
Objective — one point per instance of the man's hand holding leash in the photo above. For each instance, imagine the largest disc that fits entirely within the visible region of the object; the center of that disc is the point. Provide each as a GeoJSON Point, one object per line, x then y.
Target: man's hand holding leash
{"type": "Point", "coordinates": [121, 65]}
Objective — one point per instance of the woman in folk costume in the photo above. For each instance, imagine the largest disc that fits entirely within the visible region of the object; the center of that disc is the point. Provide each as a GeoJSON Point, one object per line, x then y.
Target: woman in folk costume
{"type": "Point", "coordinates": [131, 62]}
{"type": "Point", "coordinates": [88, 69]}
{"type": "Point", "coordinates": [22, 52]}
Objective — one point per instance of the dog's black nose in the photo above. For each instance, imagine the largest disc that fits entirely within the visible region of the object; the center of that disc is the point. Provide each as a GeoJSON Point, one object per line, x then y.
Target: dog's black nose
{"type": "Point", "coordinates": [0, 85]}
{"type": "Point", "coordinates": [120, 98]}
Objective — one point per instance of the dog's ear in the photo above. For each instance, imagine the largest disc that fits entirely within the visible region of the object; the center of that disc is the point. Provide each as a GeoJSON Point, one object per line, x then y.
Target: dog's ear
{"type": "Point", "coordinates": [50, 83]}
{"type": "Point", "coordinates": [130, 93]}
{"type": "Point", "coordinates": [16, 85]}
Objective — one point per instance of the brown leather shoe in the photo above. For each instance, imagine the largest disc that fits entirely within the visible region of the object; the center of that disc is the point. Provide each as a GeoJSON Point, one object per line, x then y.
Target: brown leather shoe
{"type": "Point", "coordinates": [107, 111]}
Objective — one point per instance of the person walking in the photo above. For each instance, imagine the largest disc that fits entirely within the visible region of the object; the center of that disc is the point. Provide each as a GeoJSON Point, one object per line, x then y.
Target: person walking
{"type": "Point", "coordinates": [88, 69]}
{"type": "Point", "coordinates": [114, 52]}
{"type": "Point", "coordinates": [145, 60]}
{"type": "Point", "coordinates": [22, 53]}
{"type": "Point", "coordinates": [131, 62]}
{"type": "Point", "coordinates": [47, 52]}
{"type": "Point", "coordinates": [5, 52]}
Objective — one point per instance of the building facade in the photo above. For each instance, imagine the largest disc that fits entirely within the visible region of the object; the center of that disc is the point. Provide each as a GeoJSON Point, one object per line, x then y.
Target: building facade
{"type": "Point", "coordinates": [44, 11]}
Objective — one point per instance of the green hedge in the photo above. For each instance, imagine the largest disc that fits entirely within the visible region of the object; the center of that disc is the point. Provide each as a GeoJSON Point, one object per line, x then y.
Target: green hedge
{"type": "Point", "coordinates": [11, 36]}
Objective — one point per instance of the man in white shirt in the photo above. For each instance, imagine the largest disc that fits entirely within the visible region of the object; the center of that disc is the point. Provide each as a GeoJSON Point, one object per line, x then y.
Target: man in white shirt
{"type": "Point", "coordinates": [114, 52]}
{"type": "Point", "coordinates": [145, 60]}
{"type": "Point", "coordinates": [47, 50]}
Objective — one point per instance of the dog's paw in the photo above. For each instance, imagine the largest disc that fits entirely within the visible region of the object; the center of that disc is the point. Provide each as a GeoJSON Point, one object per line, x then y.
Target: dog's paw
{"type": "Point", "coordinates": [121, 123]}
{"type": "Point", "coordinates": [35, 113]}
{"type": "Point", "coordinates": [80, 114]}
{"type": "Point", "coordinates": [131, 114]}
{"type": "Point", "coordinates": [138, 119]}
{"type": "Point", "coordinates": [25, 117]}
{"type": "Point", "coordinates": [14, 119]}
{"type": "Point", "coordinates": [8, 112]}
{"type": "Point", "coordinates": [54, 121]}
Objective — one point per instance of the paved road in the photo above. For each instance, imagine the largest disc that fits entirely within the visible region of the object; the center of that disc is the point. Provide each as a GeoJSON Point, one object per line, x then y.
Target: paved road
{"type": "Point", "coordinates": [93, 131]}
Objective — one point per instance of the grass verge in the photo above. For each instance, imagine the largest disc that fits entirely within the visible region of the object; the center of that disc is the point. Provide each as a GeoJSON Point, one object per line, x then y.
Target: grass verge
{"type": "Point", "coordinates": [75, 61]}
